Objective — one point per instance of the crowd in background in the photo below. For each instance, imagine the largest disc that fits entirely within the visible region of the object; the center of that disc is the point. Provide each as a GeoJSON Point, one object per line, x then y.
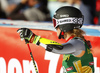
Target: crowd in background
{"type": "Point", "coordinates": [32, 10]}
{"type": "Point", "coordinates": [43, 10]}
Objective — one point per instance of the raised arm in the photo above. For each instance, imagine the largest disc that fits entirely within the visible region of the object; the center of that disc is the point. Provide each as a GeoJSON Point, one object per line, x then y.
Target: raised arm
{"type": "Point", "coordinates": [52, 46]}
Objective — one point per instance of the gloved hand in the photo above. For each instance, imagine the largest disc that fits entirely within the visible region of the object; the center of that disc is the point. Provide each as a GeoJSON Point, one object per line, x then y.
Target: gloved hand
{"type": "Point", "coordinates": [28, 35]}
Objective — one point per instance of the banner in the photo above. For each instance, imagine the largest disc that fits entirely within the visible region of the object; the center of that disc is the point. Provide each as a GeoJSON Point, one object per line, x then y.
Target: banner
{"type": "Point", "coordinates": [15, 56]}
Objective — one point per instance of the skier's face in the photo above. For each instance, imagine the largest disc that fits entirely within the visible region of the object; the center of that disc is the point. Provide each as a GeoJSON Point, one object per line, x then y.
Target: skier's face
{"type": "Point", "coordinates": [58, 31]}
{"type": "Point", "coordinates": [32, 2]}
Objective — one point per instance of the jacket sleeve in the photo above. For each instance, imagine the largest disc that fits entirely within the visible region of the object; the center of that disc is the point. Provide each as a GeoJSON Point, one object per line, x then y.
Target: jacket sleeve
{"type": "Point", "coordinates": [74, 46]}
{"type": "Point", "coordinates": [15, 15]}
{"type": "Point", "coordinates": [56, 47]}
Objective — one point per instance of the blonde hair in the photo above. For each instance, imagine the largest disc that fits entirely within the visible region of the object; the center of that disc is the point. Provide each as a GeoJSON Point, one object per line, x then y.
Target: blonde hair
{"type": "Point", "coordinates": [78, 33]}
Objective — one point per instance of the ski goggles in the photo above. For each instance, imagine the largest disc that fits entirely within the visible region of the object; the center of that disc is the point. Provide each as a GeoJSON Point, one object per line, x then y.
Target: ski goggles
{"type": "Point", "coordinates": [62, 21]}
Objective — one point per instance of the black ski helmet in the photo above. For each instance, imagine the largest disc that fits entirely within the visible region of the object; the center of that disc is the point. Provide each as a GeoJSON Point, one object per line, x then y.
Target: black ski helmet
{"type": "Point", "coordinates": [68, 18]}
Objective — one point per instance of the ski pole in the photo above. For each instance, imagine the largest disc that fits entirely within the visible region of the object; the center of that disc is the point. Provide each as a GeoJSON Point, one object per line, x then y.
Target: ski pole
{"type": "Point", "coordinates": [34, 63]}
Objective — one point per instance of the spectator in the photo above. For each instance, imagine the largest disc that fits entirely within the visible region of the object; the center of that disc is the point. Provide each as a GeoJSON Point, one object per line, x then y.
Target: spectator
{"type": "Point", "coordinates": [88, 8]}
{"type": "Point", "coordinates": [32, 10]}
{"type": "Point", "coordinates": [14, 1]}
{"type": "Point", "coordinates": [2, 13]}
{"type": "Point", "coordinates": [9, 5]}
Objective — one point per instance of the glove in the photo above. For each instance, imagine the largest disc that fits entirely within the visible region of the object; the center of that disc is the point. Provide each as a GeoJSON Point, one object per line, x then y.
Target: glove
{"type": "Point", "coordinates": [27, 35]}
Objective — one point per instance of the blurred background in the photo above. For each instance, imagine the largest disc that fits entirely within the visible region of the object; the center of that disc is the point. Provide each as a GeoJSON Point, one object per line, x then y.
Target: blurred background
{"type": "Point", "coordinates": [37, 15]}
{"type": "Point", "coordinates": [43, 10]}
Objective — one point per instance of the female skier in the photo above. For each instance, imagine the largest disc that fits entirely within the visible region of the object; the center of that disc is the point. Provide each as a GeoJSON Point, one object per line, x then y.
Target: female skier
{"type": "Point", "coordinates": [77, 57]}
